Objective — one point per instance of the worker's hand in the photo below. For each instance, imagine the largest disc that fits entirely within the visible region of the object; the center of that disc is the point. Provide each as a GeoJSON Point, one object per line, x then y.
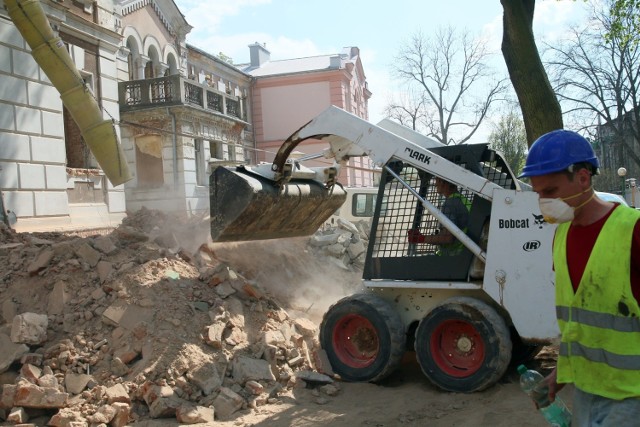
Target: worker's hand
{"type": "Point", "coordinates": [552, 382]}
{"type": "Point", "coordinates": [414, 236]}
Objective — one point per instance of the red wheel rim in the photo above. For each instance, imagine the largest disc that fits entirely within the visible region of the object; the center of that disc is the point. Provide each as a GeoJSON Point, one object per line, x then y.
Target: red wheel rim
{"type": "Point", "coordinates": [355, 341]}
{"type": "Point", "coordinates": [457, 348]}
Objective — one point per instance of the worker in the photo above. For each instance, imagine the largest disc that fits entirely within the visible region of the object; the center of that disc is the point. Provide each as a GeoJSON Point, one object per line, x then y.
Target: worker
{"type": "Point", "coordinates": [456, 207]}
{"type": "Point", "coordinates": [596, 258]}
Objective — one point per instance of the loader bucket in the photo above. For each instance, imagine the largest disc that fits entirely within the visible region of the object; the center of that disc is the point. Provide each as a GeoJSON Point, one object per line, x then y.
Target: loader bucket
{"type": "Point", "coordinates": [246, 206]}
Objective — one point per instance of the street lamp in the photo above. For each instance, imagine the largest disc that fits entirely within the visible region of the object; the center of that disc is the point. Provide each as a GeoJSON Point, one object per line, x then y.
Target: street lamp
{"type": "Point", "coordinates": [632, 187]}
{"type": "Point", "coordinates": [622, 172]}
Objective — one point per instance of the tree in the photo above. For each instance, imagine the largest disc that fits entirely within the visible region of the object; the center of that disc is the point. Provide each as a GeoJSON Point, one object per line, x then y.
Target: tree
{"type": "Point", "coordinates": [225, 58]}
{"type": "Point", "coordinates": [410, 110]}
{"type": "Point", "coordinates": [540, 108]}
{"type": "Point", "coordinates": [625, 18]}
{"type": "Point", "coordinates": [596, 76]}
{"type": "Point", "coordinates": [448, 71]}
{"type": "Point", "coordinates": [510, 138]}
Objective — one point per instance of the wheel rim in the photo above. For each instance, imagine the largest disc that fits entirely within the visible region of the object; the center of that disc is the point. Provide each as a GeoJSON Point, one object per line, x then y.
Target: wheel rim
{"type": "Point", "coordinates": [355, 341]}
{"type": "Point", "coordinates": [457, 348]}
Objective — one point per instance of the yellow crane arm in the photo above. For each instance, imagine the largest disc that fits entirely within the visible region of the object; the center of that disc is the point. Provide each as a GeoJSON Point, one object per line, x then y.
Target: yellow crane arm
{"type": "Point", "coordinates": [51, 54]}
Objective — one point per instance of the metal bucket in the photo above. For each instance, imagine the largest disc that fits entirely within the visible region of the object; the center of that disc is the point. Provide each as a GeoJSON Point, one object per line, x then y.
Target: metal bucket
{"type": "Point", "coordinates": [246, 206]}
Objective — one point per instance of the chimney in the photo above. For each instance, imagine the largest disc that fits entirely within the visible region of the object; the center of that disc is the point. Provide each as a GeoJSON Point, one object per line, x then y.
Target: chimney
{"type": "Point", "coordinates": [259, 54]}
{"type": "Point", "coordinates": [335, 61]}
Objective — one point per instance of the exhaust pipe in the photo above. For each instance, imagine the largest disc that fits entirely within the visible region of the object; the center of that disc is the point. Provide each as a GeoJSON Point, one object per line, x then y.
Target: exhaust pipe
{"type": "Point", "coordinates": [51, 55]}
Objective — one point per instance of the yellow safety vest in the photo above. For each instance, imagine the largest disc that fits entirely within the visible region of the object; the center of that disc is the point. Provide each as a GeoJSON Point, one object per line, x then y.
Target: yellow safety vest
{"type": "Point", "coordinates": [600, 324]}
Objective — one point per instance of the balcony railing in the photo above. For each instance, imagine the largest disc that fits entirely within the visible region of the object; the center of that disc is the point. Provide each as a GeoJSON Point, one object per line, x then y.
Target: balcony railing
{"type": "Point", "coordinates": [176, 90]}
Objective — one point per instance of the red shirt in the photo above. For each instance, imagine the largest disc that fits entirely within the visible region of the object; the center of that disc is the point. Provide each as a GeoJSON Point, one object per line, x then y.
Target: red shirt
{"type": "Point", "coordinates": [580, 242]}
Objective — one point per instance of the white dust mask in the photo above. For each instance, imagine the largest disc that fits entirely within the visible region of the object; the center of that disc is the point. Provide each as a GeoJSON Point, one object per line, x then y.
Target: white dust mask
{"type": "Point", "coordinates": [557, 211]}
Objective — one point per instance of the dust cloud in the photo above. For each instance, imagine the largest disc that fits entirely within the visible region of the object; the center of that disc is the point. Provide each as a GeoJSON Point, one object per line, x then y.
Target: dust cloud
{"type": "Point", "coordinates": [297, 275]}
{"type": "Point", "coordinates": [292, 272]}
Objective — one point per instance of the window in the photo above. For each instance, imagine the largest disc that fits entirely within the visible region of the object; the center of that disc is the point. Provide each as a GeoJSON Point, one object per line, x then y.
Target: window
{"type": "Point", "coordinates": [215, 149]}
{"type": "Point", "coordinates": [231, 151]}
{"type": "Point", "coordinates": [201, 170]}
{"type": "Point", "coordinates": [149, 168]}
{"type": "Point", "coordinates": [363, 204]}
{"type": "Point", "coordinates": [85, 56]}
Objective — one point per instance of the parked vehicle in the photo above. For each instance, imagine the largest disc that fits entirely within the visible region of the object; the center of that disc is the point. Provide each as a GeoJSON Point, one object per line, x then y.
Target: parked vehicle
{"type": "Point", "coordinates": [358, 206]}
{"type": "Point", "coordinates": [610, 197]}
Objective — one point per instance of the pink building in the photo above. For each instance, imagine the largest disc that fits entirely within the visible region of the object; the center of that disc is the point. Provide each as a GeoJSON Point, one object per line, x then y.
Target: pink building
{"type": "Point", "coordinates": [286, 94]}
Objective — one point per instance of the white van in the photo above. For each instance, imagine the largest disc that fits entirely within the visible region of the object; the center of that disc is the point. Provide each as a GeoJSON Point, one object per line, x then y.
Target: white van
{"type": "Point", "coordinates": [359, 205]}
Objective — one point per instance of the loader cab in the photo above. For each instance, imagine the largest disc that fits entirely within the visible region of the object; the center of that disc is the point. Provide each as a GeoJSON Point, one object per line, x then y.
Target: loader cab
{"type": "Point", "coordinates": [390, 255]}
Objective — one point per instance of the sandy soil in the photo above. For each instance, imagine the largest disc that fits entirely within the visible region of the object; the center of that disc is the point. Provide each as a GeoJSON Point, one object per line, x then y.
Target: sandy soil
{"type": "Point", "coordinates": [406, 398]}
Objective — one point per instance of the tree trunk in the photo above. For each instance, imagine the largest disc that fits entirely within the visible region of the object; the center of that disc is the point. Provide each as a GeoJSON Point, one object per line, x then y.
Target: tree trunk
{"type": "Point", "coordinates": [540, 107]}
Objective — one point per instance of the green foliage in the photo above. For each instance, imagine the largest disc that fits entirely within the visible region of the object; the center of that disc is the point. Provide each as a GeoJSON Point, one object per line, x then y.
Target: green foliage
{"type": "Point", "coordinates": [625, 18]}
{"type": "Point", "coordinates": [509, 137]}
{"type": "Point", "coordinates": [225, 58]}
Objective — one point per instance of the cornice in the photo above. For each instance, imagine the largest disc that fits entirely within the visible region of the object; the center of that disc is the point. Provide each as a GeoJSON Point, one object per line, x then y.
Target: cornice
{"type": "Point", "coordinates": [169, 18]}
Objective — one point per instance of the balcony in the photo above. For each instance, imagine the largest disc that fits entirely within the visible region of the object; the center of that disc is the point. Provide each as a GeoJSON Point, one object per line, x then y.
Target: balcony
{"type": "Point", "coordinates": [136, 95]}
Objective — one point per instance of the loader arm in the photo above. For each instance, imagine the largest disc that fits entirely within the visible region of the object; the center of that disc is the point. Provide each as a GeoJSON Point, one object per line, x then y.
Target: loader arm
{"type": "Point", "coordinates": [351, 136]}
{"type": "Point", "coordinates": [286, 199]}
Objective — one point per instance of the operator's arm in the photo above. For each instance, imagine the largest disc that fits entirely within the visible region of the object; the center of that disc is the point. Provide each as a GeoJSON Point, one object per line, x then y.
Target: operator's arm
{"type": "Point", "coordinates": [443, 237]}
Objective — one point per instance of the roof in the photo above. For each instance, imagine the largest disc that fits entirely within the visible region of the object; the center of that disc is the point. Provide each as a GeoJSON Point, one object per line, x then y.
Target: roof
{"type": "Point", "coordinates": [297, 65]}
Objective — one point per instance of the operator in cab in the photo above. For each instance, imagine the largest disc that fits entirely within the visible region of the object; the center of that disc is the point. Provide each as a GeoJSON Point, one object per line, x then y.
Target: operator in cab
{"type": "Point", "coordinates": [456, 207]}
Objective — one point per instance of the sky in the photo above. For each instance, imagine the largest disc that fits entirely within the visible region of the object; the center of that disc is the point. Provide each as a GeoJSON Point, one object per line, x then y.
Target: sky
{"type": "Point", "coordinates": [301, 28]}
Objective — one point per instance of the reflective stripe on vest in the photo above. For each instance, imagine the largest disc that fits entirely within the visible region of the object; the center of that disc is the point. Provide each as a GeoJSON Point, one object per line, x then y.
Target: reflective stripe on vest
{"type": "Point", "coordinates": [600, 322]}
{"type": "Point", "coordinates": [618, 361]}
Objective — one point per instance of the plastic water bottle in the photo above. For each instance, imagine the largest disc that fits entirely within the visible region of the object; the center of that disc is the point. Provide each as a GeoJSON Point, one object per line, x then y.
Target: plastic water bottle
{"type": "Point", "coordinates": [532, 382]}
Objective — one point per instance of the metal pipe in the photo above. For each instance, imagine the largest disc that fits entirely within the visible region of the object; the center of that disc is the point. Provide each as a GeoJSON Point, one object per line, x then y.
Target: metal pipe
{"type": "Point", "coordinates": [52, 56]}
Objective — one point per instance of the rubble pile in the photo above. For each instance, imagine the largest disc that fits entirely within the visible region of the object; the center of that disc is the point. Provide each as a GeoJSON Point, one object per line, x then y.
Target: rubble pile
{"type": "Point", "coordinates": [149, 322]}
{"type": "Point", "coordinates": [345, 243]}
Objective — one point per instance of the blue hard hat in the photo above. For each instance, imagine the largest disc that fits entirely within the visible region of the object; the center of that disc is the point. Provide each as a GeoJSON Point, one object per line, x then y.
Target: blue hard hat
{"type": "Point", "coordinates": [555, 151]}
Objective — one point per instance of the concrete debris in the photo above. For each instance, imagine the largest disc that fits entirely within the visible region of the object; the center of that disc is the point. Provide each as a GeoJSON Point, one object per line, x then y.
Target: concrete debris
{"type": "Point", "coordinates": [314, 378]}
{"type": "Point", "coordinates": [29, 328]}
{"type": "Point", "coordinates": [10, 352]}
{"type": "Point", "coordinates": [94, 331]}
{"type": "Point", "coordinates": [345, 243]}
{"type": "Point", "coordinates": [41, 262]}
{"type": "Point", "coordinates": [192, 414]}
{"type": "Point", "coordinates": [226, 403]}
{"type": "Point", "coordinates": [76, 383]}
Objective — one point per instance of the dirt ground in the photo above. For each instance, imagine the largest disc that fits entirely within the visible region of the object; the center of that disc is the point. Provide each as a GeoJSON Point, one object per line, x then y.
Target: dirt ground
{"type": "Point", "coordinates": [144, 276]}
{"type": "Point", "coordinates": [406, 398]}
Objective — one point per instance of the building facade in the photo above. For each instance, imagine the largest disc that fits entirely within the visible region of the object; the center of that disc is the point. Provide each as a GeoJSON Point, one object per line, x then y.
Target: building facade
{"type": "Point", "coordinates": [179, 112]}
{"type": "Point", "coordinates": [288, 93]}
{"type": "Point", "coordinates": [182, 110]}
{"type": "Point", "coordinates": [48, 177]}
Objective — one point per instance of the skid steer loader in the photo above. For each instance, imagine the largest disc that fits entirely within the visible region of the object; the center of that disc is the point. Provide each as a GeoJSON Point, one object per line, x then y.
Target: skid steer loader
{"type": "Point", "coordinates": [466, 314]}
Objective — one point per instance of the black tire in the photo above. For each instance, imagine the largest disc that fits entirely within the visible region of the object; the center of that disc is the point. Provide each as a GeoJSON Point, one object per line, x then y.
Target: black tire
{"type": "Point", "coordinates": [463, 345]}
{"type": "Point", "coordinates": [364, 338]}
{"type": "Point", "coordinates": [522, 352]}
